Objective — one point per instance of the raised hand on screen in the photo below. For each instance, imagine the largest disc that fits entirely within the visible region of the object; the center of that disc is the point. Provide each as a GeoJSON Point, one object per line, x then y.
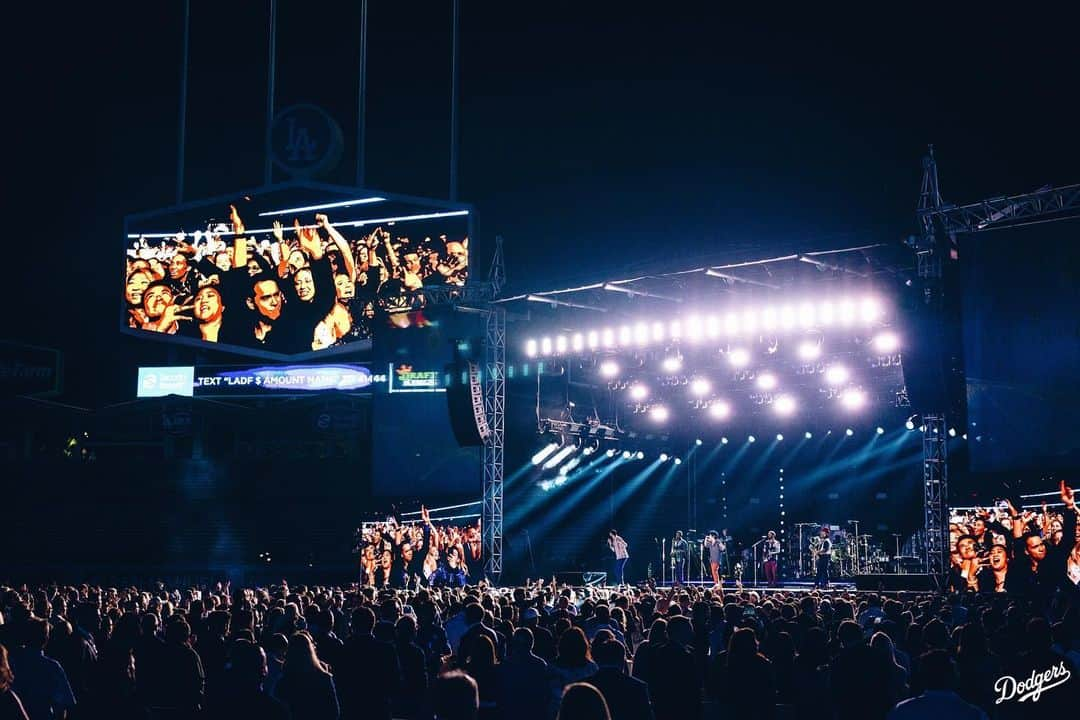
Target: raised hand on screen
{"type": "Point", "coordinates": [1067, 496]}
{"type": "Point", "coordinates": [234, 218]}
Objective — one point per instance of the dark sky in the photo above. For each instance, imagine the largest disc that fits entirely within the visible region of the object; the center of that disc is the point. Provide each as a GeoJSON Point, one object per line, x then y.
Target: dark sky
{"type": "Point", "coordinates": [591, 139]}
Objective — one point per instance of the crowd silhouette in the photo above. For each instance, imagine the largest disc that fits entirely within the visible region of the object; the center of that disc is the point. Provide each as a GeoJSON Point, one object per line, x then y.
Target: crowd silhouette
{"type": "Point", "coordinates": [533, 652]}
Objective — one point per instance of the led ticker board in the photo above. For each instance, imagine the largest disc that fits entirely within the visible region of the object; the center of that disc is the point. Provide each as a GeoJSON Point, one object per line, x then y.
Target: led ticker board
{"type": "Point", "coordinates": [221, 381]}
{"type": "Point", "coordinates": [292, 272]}
{"type": "Point", "coordinates": [407, 379]}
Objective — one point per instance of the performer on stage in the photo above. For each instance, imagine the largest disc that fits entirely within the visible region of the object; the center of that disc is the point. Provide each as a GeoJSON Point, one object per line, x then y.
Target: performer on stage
{"type": "Point", "coordinates": [679, 552]}
{"type": "Point", "coordinates": [728, 543]}
{"type": "Point", "coordinates": [823, 554]}
{"type": "Point", "coordinates": [622, 554]}
{"type": "Point", "coordinates": [772, 555]}
{"type": "Point", "coordinates": [716, 549]}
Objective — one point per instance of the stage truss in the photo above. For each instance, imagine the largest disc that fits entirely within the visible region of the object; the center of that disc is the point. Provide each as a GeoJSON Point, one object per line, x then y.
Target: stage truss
{"type": "Point", "coordinates": [940, 223]}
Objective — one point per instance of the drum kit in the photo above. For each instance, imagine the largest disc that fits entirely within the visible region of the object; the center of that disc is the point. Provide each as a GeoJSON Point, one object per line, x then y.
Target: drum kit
{"type": "Point", "coordinates": [853, 553]}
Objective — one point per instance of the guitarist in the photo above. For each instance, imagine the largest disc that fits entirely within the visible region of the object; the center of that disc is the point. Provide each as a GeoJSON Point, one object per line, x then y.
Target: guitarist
{"type": "Point", "coordinates": [822, 555]}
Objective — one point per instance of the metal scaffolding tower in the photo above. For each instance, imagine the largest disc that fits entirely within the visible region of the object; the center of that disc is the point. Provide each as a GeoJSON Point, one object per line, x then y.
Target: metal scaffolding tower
{"type": "Point", "coordinates": [495, 408]}
{"type": "Point", "coordinates": [941, 223]}
{"type": "Point", "coordinates": [936, 496]}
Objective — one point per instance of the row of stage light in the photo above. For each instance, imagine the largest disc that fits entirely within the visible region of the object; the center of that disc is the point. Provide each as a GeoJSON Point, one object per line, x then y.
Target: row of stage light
{"type": "Point", "coordinates": [564, 458]}
{"type": "Point", "coordinates": [845, 313]}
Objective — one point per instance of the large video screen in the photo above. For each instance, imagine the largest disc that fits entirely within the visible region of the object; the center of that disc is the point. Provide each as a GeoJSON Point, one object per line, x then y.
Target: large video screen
{"type": "Point", "coordinates": [288, 274]}
{"type": "Point", "coordinates": [1028, 546]}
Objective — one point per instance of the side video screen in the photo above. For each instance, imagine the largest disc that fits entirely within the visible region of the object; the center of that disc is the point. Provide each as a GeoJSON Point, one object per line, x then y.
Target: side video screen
{"type": "Point", "coordinates": [284, 277]}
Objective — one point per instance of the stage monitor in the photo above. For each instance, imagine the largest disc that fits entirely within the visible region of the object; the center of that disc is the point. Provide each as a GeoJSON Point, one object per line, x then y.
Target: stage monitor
{"type": "Point", "coordinates": [294, 271]}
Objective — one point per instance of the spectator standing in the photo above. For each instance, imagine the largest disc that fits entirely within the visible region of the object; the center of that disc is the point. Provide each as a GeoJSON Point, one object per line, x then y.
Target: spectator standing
{"type": "Point", "coordinates": [307, 688]}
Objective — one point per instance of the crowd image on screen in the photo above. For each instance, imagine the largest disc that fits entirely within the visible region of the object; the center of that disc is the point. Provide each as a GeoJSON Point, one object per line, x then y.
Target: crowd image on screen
{"type": "Point", "coordinates": [1028, 552]}
{"type": "Point", "coordinates": [299, 289]}
{"type": "Point", "coordinates": [419, 554]}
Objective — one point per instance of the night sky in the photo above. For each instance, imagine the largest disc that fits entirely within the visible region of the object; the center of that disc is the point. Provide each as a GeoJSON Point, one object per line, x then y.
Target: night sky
{"type": "Point", "coordinates": [595, 141]}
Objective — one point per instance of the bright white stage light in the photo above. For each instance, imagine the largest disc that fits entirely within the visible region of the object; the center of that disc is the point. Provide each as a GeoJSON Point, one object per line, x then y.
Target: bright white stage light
{"type": "Point", "coordinates": [886, 342]}
{"type": "Point", "coordinates": [593, 339]}
{"type": "Point", "coordinates": [640, 455]}
{"type": "Point", "coordinates": [849, 432]}
{"type": "Point", "coordinates": [964, 436]}
{"type": "Point", "coordinates": [558, 457]}
{"type": "Point", "coordinates": [836, 374]}
{"type": "Point", "coordinates": [678, 461]}
{"type": "Point", "coordinates": [663, 457]}
{"type": "Point", "coordinates": [672, 364]}
{"type": "Point", "coordinates": [676, 330]}
{"type": "Point", "coordinates": [712, 326]}
{"type": "Point", "coordinates": [657, 331]}
{"type": "Point", "coordinates": [608, 338]}
{"type": "Point", "coordinates": [869, 310]}
{"type": "Point", "coordinates": [545, 346]}
{"type": "Point", "coordinates": [627, 454]}
{"type": "Point", "coordinates": [699, 387]}
{"type": "Point", "coordinates": [659, 414]}
{"type": "Point", "coordinates": [547, 485]}
{"type": "Point", "coordinates": [723, 441]}
{"type": "Point", "coordinates": [739, 357]}
{"type": "Point", "coordinates": [779, 437]}
{"type": "Point", "coordinates": [561, 480]}
{"type": "Point", "coordinates": [880, 430]}
{"type": "Point", "coordinates": [698, 441]}
{"type": "Point", "coordinates": [787, 317]}
{"type": "Point", "coordinates": [768, 318]}
{"type": "Point", "coordinates": [922, 429]}
{"type": "Point", "coordinates": [806, 315]}
{"type": "Point", "coordinates": [569, 465]}
{"type": "Point", "coordinates": [784, 405]}
{"type": "Point", "coordinates": [847, 312]}
{"type": "Point", "coordinates": [809, 350]}
{"type": "Point", "coordinates": [853, 398]}
{"type": "Point", "coordinates": [641, 334]}
{"type": "Point", "coordinates": [749, 321]}
{"type": "Point", "coordinates": [560, 345]}
{"type": "Point", "coordinates": [731, 324]}
{"type": "Point", "coordinates": [609, 369]}
{"type": "Point", "coordinates": [531, 348]}
{"type": "Point", "coordinates": [578, 342]}
{"type": "Point", "coordinates": [909, 425]}
{"type": "Point", "coordinates": [694, 329]}
{"type": "Point", "coordinates": [766, 381]}
{"type": "Point", "coordinates": [720, 410]}
{"type": "Point", "coordinates": [808, 435]}
{"type": "Point", "coordinates": [588, 451]}
{"type": "Point", "coordinates": [639, 392]}
{"type": "Point", "coordinates": [610, 452]}
{"type": "Point", "coordinates": [626, 335]}
{"type": "Point", "coordinates": [544, 453]}
{"type": "Point", "coordinates": [827, 313]}
{"type": "Point", "coordinates": [751, 438]}
{"type": "Point", "coordinates": [952, 432]}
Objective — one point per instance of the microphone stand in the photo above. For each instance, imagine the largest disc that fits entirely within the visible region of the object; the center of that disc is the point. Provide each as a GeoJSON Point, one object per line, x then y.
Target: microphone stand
{"type": "Point", "coordinates": [754, 549]}
{"type": "Point", "coordinates": [856, 556]}
{"type": "Point", "coordinates": [663, 557]}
